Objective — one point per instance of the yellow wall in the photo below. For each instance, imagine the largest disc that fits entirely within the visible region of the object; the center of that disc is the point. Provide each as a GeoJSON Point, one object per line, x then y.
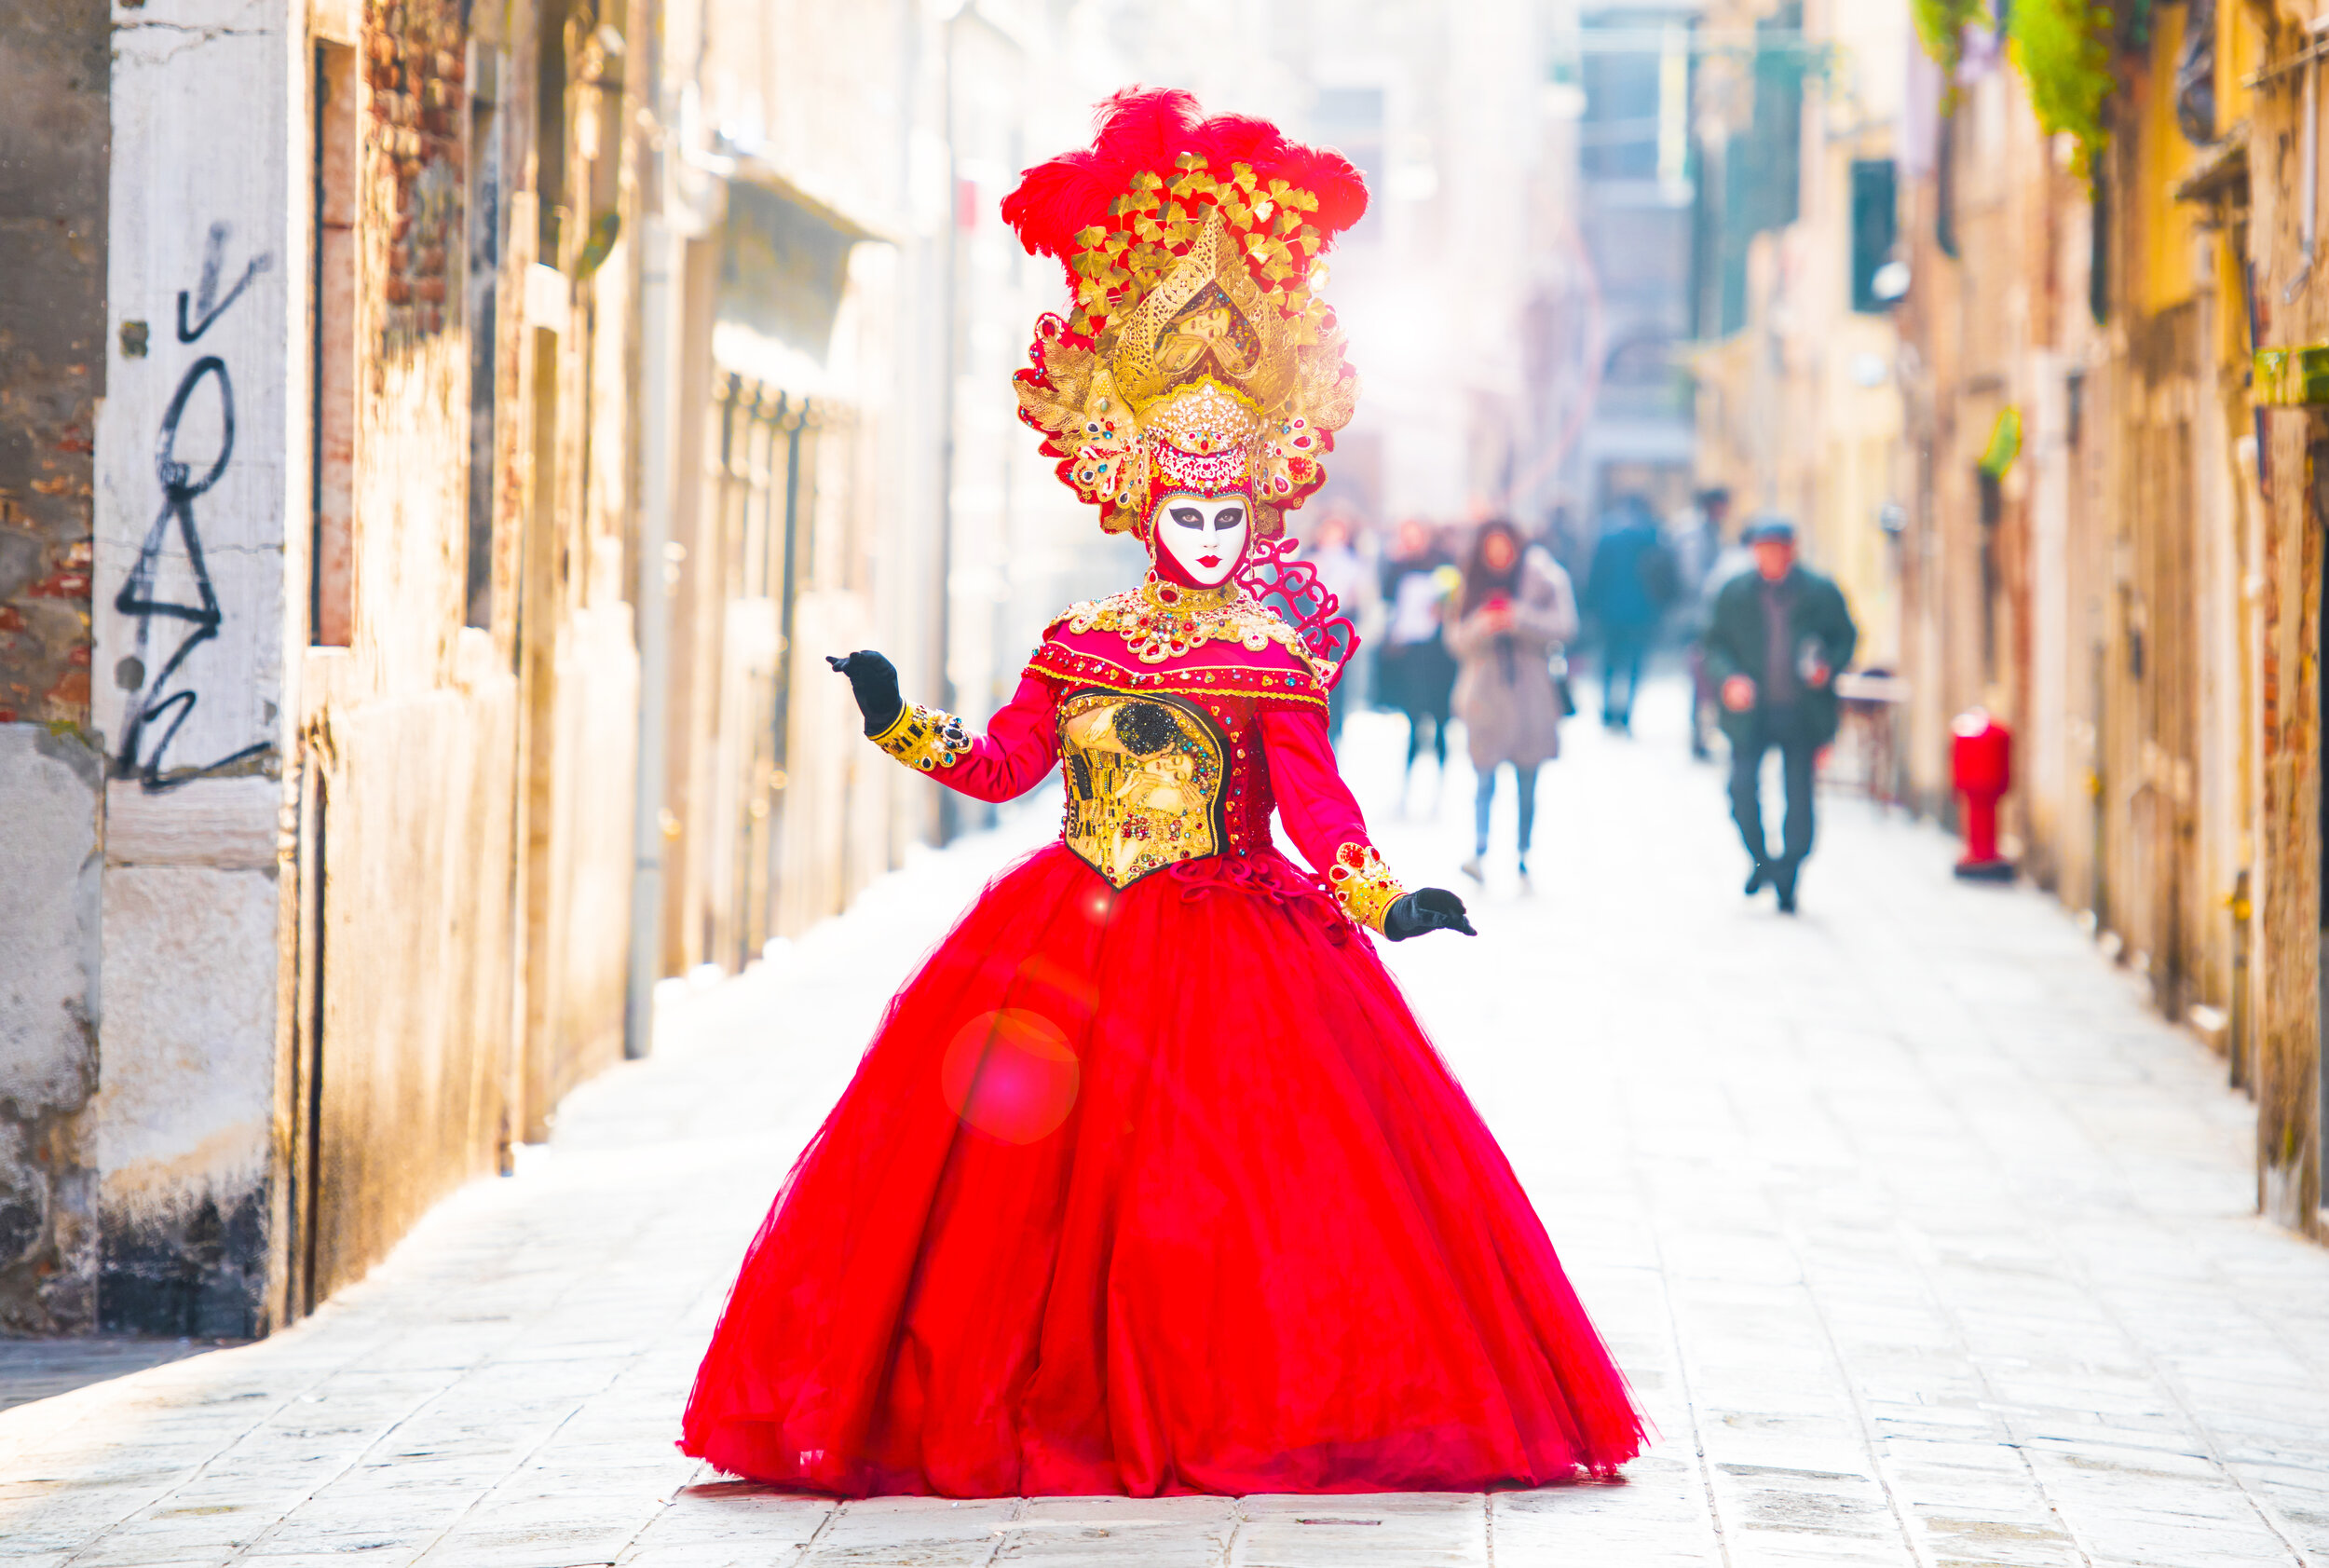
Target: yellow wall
{"type": "Point", "coordinates": [2169, 227]}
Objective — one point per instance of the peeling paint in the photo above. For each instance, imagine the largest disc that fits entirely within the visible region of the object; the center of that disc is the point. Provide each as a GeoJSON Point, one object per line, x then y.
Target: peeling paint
{"type": "Point", "coordinates": [197, 1269]}
{"type": "Point", "coordinates": [48, 1001]}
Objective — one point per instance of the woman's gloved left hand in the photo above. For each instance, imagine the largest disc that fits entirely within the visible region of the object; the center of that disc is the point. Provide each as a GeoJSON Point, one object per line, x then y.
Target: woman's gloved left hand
{"type": "Point", "coordinates": [873, 680]}
{"type": "Point", "coordinates": [1425, 909]}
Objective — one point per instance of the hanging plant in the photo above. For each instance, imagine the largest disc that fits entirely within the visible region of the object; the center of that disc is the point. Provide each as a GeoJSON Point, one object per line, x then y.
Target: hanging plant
{"type": "Point", "coordinates": [2063, 48]}
{"type": "Point", "coordinates": [1942, 24]}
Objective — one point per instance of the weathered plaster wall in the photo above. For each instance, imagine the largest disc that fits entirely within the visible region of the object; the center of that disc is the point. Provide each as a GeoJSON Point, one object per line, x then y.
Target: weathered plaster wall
{"type": "Point", "coordinates": [48, 864]}
{"type": "Point", "coordinates": [200, 448]}
{"type": "Point", "coordinates": [53, 138]}
{"type": "Point", "coordinates": [579, 943]}
{"type": "Point", "coordinates": [474, 826]}
{"type": "Point", "coordinates": [404, 1044]}
{"type": "Point", "coordinates": [2288, 860]}
{"type": "Point", "coordinates": [185, 1107]}
{"type": "Point", "coordinates": [578, 659]}
{"type": "Point", "coordinates": [415, 1019]}
{"type": "Point", "coordinates": [195, 448]}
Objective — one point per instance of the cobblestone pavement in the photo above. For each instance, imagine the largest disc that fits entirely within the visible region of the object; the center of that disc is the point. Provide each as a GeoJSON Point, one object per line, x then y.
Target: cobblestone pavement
{"type": "Point", "coordinates": [1923, 1241]}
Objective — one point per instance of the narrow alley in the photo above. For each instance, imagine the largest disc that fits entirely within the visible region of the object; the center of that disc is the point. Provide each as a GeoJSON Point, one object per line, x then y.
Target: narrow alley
{"type": "Point", "coordinates": [1923, 1239]}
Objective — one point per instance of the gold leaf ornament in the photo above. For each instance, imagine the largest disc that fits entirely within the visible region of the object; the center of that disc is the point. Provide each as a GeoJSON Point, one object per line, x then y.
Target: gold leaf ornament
{"type": "Point", "coordinates": [1199, 295]}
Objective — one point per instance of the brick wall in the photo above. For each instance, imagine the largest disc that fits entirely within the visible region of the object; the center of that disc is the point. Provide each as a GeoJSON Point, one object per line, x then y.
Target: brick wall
{"type": "Point", "coordinates": [54, 126]}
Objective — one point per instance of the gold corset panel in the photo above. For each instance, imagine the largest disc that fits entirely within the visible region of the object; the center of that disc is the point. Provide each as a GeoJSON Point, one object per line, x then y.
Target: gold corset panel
{"type": "Point", "coordinates": [1144, 782]}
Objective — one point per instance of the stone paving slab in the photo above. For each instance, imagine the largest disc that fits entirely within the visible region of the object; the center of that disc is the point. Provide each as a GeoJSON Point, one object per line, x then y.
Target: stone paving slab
{"type": "Point", "coordinates": [43, 1368]}
{"type": "Point", "coordinates": [1922, 1240]}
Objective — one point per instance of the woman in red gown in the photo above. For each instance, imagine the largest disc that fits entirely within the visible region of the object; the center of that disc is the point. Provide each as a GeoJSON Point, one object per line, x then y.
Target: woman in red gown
{"type": "Point", "coordinates": [1151, 1182]}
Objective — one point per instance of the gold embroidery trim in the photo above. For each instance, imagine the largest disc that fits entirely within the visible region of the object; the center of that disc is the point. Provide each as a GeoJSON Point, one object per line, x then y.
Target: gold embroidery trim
{"type": "Point", "coordinates": [1159, 622]}
{"type": "Point", "coordinates": [1363, 885]}
{"type": "Point", "coordinates": [1056, 661]}
{"type": "Point", "coordinates": [924, 738]}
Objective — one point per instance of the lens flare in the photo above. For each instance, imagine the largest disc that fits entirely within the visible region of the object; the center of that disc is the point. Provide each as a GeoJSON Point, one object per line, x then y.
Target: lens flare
{"type": "Point", "coordinates": [1012, 1074]}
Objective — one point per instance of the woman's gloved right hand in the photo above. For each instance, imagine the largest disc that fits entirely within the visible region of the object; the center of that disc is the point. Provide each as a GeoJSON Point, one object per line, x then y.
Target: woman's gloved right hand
{"type": "Point", "coordinates": [873, 680]}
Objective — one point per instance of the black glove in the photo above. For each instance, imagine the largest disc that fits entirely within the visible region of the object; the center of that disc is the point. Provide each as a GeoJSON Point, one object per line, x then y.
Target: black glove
{"type": "Point", "coordinates": [873, 680]}
{"type": "Point", "coordinates": [1425, 909]}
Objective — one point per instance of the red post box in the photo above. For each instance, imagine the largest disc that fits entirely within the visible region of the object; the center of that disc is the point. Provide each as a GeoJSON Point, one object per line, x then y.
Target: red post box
{"type": "Point", "coordinates": [1980, 766]}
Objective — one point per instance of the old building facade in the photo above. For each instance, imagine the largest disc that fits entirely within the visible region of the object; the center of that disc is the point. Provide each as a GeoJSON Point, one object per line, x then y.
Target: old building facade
{"type": "Point", "coordinates": [327, 834]}
{"type": "Point", "coordinates": [441, 442]}
{"type": "Point", "coordinates": [2110, 417]}
{"type": "Point", "coordinates": [2091, 543]}
{"type": "Point", "coordinates": [1799, 114]}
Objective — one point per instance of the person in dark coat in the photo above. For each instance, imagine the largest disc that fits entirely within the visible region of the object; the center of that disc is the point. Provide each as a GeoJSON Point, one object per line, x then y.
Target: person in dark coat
{"type": "Point", "coordinates": [1628, 588]}
{"type": "Point", "coordinates": [1774, 641]}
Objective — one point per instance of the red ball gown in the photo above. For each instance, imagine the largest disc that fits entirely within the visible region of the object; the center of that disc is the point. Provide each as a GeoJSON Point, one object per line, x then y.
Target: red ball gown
{"type": "Point", "coordinates": [1151, 1182]}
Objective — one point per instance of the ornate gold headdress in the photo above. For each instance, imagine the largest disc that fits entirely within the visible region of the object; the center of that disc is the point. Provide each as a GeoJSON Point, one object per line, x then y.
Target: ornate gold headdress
{"type": "Point", "coordinates": [1197, 355]}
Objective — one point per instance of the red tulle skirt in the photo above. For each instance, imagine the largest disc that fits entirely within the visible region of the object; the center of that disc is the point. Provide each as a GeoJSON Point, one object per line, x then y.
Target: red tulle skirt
{"type": "Point", "coordinates": [1151, 1191]}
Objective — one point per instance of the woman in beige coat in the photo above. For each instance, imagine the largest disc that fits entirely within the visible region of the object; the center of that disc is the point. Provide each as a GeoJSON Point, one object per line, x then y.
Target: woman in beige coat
{"type": "Point", "coordinates": [1518, 610]}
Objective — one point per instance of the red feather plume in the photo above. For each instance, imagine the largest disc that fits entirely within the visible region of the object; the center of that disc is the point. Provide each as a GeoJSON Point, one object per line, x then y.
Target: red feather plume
{"type": "Point", "coordinates": [1150, 130]}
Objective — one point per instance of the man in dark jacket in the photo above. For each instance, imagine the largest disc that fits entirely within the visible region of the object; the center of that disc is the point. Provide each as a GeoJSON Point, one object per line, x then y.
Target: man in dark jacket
{"type": "Point", "coordinates": [1776, 639]}
{"type": "Point", "coordinates": [1626, 591]}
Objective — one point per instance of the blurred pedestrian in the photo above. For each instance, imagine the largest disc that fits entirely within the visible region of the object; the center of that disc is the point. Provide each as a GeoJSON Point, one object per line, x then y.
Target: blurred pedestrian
{"type": "Point", "coordinates": [1701, 552]}
{"type": "Point", "coordinates": [1694, 536]}
{"type": "Point", "coordinates": [1627, 589]}
{"type": "Point", "coordinates": [1518, 610]}
{"type": "Point", "coordinates": [1564, 536]}
{"type": "Point", "coordinates": [1333, 550]}
{"type": "Point", "coordinates": [1568, 538]}
{"type": "Point", "coordinates": [1777, 636]}
{"type": "Point", "coordinates": [1414, 672]}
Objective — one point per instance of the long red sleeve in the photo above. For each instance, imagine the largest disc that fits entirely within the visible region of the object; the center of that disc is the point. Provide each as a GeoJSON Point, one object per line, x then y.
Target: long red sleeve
{"type": "Point", "coordinates": [1314, 802]}
{"type": "Point", "coordinates": [1019, 748]}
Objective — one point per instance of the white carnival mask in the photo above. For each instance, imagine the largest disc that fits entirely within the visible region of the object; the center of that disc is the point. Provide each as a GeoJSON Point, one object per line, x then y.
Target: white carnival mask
{"type": "Point", "coordinates": [1204, 536]}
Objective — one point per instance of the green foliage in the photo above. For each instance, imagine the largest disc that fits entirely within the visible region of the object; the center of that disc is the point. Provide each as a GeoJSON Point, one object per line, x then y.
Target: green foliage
{"type": "Point", "coordinates": [2005, 442]}
{"type": "Point", "coordinates": [2063, 48]}
{"type": "Point", "coordinates": [1942, 24]}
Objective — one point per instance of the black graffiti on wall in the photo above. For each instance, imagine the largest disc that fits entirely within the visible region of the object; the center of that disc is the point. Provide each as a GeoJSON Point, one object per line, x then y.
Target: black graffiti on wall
{"type": "Point", "coordinates": [207, 307]}
{"type": "Point", "coordinates": [161, 705]}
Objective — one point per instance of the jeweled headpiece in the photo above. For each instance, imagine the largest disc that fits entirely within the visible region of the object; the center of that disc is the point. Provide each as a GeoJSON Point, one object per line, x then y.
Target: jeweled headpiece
{"type": "Point", "coordinates": [1197, 356]}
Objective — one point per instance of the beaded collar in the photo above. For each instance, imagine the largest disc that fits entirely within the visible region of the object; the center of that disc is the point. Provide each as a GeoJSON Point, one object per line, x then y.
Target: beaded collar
{"type": "Point", "coordinates": [1160, 621]}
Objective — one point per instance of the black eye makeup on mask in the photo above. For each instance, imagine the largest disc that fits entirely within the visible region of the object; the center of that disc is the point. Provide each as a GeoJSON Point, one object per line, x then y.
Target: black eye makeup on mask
{"type": "Point", "coordinates": [1187, 517]}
